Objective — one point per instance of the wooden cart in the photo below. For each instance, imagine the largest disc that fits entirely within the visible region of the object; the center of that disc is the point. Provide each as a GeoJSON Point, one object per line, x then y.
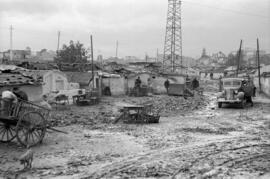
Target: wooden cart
{"type": "Point", "coordinates": [26, 121]}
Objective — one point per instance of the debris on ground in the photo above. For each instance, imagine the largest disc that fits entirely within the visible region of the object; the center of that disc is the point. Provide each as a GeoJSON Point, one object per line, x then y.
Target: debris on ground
{"type": "Point", "coordinates": [106, 112]}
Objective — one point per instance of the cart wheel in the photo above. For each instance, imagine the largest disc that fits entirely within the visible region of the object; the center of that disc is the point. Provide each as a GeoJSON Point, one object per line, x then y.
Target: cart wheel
{"type": "Point", "coordinates": [31, 128]}
{"type": "Point", "coordinates": [7, 132]}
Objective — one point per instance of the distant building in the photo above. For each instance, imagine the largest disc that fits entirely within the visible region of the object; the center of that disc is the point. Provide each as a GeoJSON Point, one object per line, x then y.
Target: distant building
{"type": "Point", "coordinates": [45, 55]}
{"type": "Point", "coordinates": [249, 53]}
{"type": "Point", "coordinates": [53, 80]}
{"type": "Point", "coordinates": [17, 54]}
{"type": "Point", "coordinates": [131, 59]}
{"type": "Point", "coordinates": [215, 60]}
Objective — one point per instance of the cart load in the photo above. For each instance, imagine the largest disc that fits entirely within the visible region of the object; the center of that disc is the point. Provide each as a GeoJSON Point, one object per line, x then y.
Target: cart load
{"type": "Point", "coordinates": [26, 121]}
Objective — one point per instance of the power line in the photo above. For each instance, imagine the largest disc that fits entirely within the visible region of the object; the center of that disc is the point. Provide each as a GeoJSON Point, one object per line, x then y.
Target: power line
{"type": "Point", "coordinates": [228, 10]}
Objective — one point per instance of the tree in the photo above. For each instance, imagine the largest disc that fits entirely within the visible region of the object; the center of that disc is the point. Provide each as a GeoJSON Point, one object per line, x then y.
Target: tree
{"type": "Point", "coordinates": [233, 60]}
{"type": "Point", "coordinates": [74, 53]}
{"type": "Point", "coordinates": [264, 59]}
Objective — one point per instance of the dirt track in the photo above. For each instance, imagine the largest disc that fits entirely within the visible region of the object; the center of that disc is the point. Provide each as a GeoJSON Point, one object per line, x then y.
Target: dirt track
{"type": "Point", "coordinates": [206, 143]}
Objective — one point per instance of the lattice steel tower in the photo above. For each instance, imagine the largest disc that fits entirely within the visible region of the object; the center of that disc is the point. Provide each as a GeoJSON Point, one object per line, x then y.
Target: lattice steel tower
{"type": "Point", "coordinates": [172, 58]}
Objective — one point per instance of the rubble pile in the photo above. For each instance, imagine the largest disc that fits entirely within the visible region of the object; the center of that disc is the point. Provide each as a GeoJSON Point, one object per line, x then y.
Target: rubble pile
{"type": "Point", "coordinates": [179, 104]}
{"type": "Point", "coordinates": [167, 105]}
{"type": "Point", "coordinates": [210, 86]}
{"type": "Point", "coordinates": [81, 116]}
{"type": "Point", "coordinates": [107, 112]}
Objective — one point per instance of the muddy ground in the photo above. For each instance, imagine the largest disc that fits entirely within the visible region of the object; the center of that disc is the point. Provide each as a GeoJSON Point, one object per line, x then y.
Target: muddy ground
{"type": "Point", "coordinates": [200, 142]}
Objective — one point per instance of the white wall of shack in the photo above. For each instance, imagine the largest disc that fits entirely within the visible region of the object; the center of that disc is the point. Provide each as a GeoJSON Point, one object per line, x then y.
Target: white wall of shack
{"type": "Point", "coordinates": [120, 86]}
{"type": "Point", "coordinates": [265, 84]}
{"type": "Point", "coordinates": [117, 85]}
{"type": "Point", "coordinates": [54, 81]}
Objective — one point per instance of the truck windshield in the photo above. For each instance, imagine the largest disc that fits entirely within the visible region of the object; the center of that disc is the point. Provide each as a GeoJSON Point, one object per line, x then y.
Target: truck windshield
{"type": "Point", "coordinates": [232, 83]}
{"type": "Point", "coordinates": [227, 83]}
{"type": "Point", "coordinates": [236, 83]}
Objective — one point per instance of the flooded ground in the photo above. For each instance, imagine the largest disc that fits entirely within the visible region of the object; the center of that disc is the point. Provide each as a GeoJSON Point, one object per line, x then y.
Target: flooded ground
{"type": "Point", "coordinates": [203, 143]}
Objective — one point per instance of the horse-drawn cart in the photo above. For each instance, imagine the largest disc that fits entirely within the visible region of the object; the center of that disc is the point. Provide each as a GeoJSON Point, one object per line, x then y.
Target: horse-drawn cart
{"type": "Point", "coordinates": [26, 121]}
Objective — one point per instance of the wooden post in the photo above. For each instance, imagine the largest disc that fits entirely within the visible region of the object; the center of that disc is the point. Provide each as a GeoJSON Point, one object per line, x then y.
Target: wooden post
{"type": "Point", "coordinates": [58, 41]}
{"type": "Point", "coordinates": [92, 59]}
{"type": "Point", "coordinates": [259, 66]}
{"type": "Point", "coordinates": [238, 59]}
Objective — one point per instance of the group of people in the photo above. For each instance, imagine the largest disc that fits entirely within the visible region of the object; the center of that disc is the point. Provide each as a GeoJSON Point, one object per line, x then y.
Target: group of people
{"type": "Point", "coordinates": [194, 84]}
{"type": "Point", "coordinates": [10, 97]}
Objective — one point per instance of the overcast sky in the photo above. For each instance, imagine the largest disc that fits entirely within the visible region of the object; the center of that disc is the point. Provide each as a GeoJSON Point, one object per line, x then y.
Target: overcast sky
{"type": "Point", "coordinates": [138, 25]}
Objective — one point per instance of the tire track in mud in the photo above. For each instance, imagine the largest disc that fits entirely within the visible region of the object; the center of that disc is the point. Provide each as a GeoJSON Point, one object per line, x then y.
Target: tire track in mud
{"type": "Point", "coordinates": [183, 160]}
{"type": "Point", "coordinates": [171, 162]}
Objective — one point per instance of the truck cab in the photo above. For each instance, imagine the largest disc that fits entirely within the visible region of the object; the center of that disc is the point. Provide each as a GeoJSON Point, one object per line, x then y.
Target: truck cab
{"type": "Point", "coordinates": [229, 92]}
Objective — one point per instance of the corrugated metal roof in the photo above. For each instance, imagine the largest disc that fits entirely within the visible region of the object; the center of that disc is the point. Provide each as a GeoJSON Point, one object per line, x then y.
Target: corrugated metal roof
{"type": "Point", "coordinates": [11, 79]}
{"type": "Point", "coordinates": [10, 68]}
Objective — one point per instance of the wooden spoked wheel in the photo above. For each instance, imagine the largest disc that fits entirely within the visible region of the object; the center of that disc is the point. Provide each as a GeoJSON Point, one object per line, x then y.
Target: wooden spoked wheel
{"type": "Point", "coordinates": [7, 132]}
{"type": "Point", "coordinates": [31, 128]}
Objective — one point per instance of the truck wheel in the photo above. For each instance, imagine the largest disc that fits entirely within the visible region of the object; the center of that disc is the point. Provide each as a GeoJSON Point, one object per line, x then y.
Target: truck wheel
{"type": "Point", "coordinates": [219, 104]}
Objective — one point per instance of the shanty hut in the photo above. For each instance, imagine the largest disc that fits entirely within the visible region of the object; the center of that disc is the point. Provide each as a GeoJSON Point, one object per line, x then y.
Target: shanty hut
{"type": "Point", "coordinates": [116, 83]}
{"type": "Point", "coordinates": [53, 80]}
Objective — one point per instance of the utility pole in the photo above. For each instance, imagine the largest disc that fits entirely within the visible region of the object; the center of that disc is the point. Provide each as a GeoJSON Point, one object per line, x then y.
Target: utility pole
{"type": "Point", "coordinates": [116, 51]}
{"type": "Point", "coordinates": [58, 41]}
{"type": "Point", "coordinates": [11, 43]}
{"type": "Point", "coordinates": [157, 56]}
{"type": "Point", "coordinates": [238, 58]}
{"type": "Point", "coordinates": [92, 58]}
{"type": "Point", "coordinates": [259, 65]}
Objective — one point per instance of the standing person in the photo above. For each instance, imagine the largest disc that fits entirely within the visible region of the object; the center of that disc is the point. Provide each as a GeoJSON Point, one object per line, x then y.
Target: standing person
{"type": "Point", "coordinates": [138, 86]}
{"type": "Point", "coordinates": [254, 91]}
{"type": "Point", "coordinates": [248, 91]}
{"type": "Point", "coordinates": [138, 82]}
{"type": "Point", "coordinates": [211, 75]}
{"type": "Point", "coordinates": [195, 83]}
{"type": "Point", "coordinates": [251, 84]}
{"type": "Point", "coordinates": [167, 85]}
{"type": "Point", "coordinates": [8, 99]}
{"type": "Point", "coordinates": [220, 83]}
{"type": "Point", "coordinates": [21, 95]}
